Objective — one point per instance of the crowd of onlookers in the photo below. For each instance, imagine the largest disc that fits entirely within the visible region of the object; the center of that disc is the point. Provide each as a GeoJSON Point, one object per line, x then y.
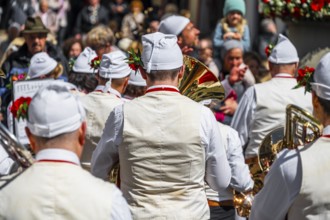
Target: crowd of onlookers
{"type": "Point", "coordinates": [73, 25]}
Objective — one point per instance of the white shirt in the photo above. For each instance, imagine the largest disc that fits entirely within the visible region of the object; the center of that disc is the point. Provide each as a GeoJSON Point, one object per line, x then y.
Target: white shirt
{"type": "Point", "coordinates": [106, 153]}
{"type": "Point", "coordinates": [120, 208]}
{"type": "Point", "coordinates": [5, 162]}
{"type": "Point", "coordinates": [244, 115]}
{"type": "Point", "coordinates": [282, 186]}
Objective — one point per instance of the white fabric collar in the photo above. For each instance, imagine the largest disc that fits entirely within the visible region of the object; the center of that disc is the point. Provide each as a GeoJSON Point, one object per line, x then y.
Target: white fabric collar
{"type": "Point", "coordinates": [58, 154]}
{"type": "Point", "coordinates": [326, 130]}
{"type": "Point", "coordinates": [113, 91]}
{"type": "Point", "coordinates": [99, 88]}
{"type": "Point", "coordinates": [162, 86]}
{"type": "Point", "coordinates": [283, 75]}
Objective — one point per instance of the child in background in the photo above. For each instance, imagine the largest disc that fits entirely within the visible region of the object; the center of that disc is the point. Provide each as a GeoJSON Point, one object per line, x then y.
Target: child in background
{"type": "Point", "coordinates": [232, 26]}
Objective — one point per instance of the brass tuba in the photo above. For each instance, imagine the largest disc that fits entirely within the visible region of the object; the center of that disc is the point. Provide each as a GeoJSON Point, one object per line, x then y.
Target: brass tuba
{"type": "Point", "coordinates": [198, 83]}
{"type": "Point", "coordinates": [300, 128]}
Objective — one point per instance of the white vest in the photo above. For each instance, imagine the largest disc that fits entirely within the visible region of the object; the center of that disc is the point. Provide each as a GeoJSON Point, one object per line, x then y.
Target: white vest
{"type": "Point", "coordinates": [228, 193]}
{"type": "Point", "coordinates": [98, 106]}
{"type": "Point", "coordinates": [56, 191]}
{"type": "Point", "coordinates": [313, 201]}
{"type": "Point", "coordinates": [162, 161]}
{"type": "Point", "coordinates": [272, 97]}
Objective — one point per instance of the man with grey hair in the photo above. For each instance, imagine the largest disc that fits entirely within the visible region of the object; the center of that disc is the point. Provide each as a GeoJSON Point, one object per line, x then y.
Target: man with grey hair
{"type": "Point", "coordinates": [166, 144]}
{"type": "Point", "coordinates": [55, 186]}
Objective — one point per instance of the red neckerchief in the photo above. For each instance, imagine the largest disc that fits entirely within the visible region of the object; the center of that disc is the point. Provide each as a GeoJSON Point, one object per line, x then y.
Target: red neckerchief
{"type": "Point", "coordinates": [168, 89]}
{"type": "Point", "coordinates": [98, 90]}
{"type": "Point", "coordinates": [57, 161]}
{"type": "Point", "coordinates": [326, 135]}
{"type": "Point", "coordinates": [288, 77]}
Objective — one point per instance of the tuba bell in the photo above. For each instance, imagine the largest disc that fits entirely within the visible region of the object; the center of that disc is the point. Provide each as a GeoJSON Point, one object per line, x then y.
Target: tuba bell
{"type": "Point", "coordinates": [301, 128]}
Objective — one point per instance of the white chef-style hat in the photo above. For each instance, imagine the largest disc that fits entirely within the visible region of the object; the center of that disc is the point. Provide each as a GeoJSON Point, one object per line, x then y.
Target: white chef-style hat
{"type": "Point", "coordinates": [161, 52]}
{"type": "Point", "coordinates": [136, 79]}
{"type": "Point", "coordinates": [284, 52]}
{"type": "Point", "coordinates": [173, 24]}
{"type": "Point", "coordinates": [54, 110]}
{"type": "Point", "coordinates": [82, 63]}
{"type": "Point", "coordinates": [113, 65]}
{"type": "Point", "coordinates": [321, 78]}
{"type": "Point", "coordinates": [41, 64]}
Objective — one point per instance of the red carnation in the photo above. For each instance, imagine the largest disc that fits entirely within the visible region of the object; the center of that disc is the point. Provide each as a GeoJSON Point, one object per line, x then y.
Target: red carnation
{"type": "Point", "coordinates": [20, 106]}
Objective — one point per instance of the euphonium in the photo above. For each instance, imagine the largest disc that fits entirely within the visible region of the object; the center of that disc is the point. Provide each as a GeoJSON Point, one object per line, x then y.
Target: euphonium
{"type": "Point", "coordinates": [300, 128]}
{"type": "Point", "coordinates": [198, 83]}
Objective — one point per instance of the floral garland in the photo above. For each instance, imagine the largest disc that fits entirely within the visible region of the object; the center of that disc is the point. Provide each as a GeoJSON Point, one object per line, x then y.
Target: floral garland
{"type": "Point", "coordinates": [295, 9]}
{"type": "Point", "coordinates": [95, 63]}
{"type": "Point", "coordinates": [20, 107]}
{"type": "Point", "coordinates": [134, 60]}
{"type": "Point", "coordinates": [304, 78]}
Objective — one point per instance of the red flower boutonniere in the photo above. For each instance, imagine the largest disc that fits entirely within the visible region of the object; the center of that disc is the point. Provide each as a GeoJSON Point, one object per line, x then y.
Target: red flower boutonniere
{"type": "Point", "coordinates": [95, 63]}
{"type": "Point", "coordinates": [304, 78]}
{"type": "Point", "coordinates": [20, 107]}
{"type": "Point", "coordinates": [134, 60]}
{"type": "Point", "coordinates": [268, 49]}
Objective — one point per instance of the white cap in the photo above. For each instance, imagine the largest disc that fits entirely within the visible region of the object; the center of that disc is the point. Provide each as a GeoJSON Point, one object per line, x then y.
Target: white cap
{"type": "Point", "coordinates": [54, 110]}
{"type": "Point", "coordinates": [173, 24]}
{"type": "Point", "coordinates": [284, 52]}
{"type": "Point", "coordinates": [41, 64]}
{"type": "Point", "coordinates": [321, 78]}
{"type": "Point", "coordinates": [82, 63]}
{"type": "Point", "coordinates": [161, 52]}
{"type": "Point", "coordinates": [136, 79]}
{"type": "Point", "coordinates": [113, 65]}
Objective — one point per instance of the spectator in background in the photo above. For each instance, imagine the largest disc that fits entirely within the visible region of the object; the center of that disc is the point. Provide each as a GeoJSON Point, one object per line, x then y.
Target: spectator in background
{"type": "Point", "coordinates": [232, 26]}
{"type": "Point", "coordinates": [12, 32]}
{"type": "Point", "coordinates": [205, 55]}
{"type": "Point", "coordinates": [268, 34]}
{"type": "Point", "coordinates": [48, 17]}
{"type": "Point", "coordinates": [101, 39]}
{"type": "Point", "coordinates": [91, 16]}
{"type": "Point", "coordinates": [118, 8]}
{"type": "Point", "coordinates": [60, 7]}
{"type": "Point", "coordinates": [255, 64]}
{"type": "Point", "coordinates": [72, 47]}
{"type": "Point", "coordinates": [132, 25]}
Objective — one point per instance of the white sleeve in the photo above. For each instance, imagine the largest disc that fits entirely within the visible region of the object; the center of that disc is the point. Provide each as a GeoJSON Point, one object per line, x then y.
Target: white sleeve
{"type": "Point", "coordinates": [105, 155]}
{"type": "Point", "coordinates": [241, 179]}
{"type": "Point", "coordinates": [5, 162]}
{"type": "Point", "coordinates": [282, 186]}
{"type": "Point", "coordinates": [120, 209]}
{"type": "Point", "coordinates": [217, 170]}
{"type": "Point", "coordinates": [244, 115]}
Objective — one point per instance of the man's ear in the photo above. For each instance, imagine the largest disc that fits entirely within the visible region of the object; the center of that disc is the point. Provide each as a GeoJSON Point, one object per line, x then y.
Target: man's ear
{"type": "Point", "coordinates": [143, 73]}
{"type": "Point", "coordinates": [31, 139]}
{"type": "Point", "coordinates": [82, 133]}
{"type": "Point", "coordinates": [180, 40]}
{"type": "Point", "coordinates": [181, 72]}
